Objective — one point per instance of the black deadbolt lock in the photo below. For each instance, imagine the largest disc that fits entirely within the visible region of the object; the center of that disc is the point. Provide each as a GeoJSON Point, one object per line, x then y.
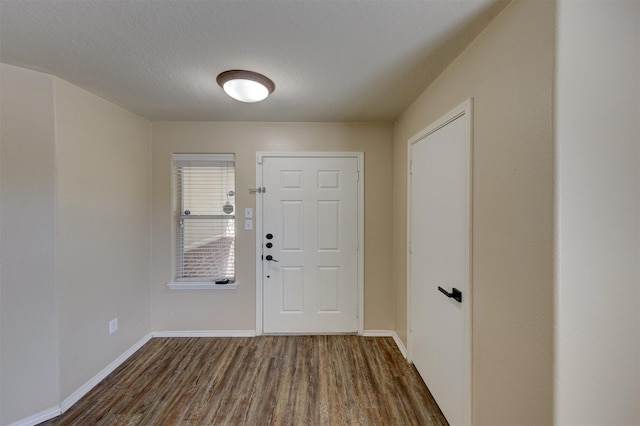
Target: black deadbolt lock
{"type": "Point", "coordinates": [269, 245]}
{"type": "Point", "coordinates": [269, 236]}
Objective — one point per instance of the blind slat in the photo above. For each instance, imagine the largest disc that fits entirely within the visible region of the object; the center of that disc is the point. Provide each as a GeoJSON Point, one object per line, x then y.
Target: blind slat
{"type": "Point", "coordinates": [201, 216]}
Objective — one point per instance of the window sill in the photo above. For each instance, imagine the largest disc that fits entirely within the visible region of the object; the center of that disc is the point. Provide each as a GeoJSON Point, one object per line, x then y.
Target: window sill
{"type": "Point", "coordinates": [200, 286]}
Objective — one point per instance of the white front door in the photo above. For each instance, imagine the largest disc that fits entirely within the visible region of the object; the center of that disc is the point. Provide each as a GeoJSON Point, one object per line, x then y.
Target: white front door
{"type": "Point", "coordinates": [310, 244]}
{"type": "Point", "coordinates": [439, 263]}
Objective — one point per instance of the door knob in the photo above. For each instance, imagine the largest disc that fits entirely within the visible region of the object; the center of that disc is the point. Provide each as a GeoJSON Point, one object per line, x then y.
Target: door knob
{"type": "Point", "coordinates": [270, 258]}
{"type": "Point", "coordinates": [269, 236]}
{"type": "Point", "coordinates": [455, 293]}
{"type": "Point", "coordinates": [269, 245]}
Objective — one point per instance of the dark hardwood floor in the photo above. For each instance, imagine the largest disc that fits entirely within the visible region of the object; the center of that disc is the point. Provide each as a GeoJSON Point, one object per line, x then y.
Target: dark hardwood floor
{"type": "Point", "coordinates": [266, 380]}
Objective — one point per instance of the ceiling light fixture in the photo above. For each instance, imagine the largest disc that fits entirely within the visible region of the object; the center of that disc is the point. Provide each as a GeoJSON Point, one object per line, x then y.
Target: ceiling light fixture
{"type": "Point", "coordinates": [245, 86]}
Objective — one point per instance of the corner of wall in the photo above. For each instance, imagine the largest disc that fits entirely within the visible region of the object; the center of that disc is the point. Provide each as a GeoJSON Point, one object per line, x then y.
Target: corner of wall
{"type": "Point", "coordinates": [29, 333]}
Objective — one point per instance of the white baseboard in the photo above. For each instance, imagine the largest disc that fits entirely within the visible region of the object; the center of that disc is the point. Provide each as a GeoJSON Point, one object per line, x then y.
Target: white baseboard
{"type": "Point", "coordinates": [401, 346]}
{"type": "Point", "coordinates": [40, 417]}
{"type": "Point", "coordinates": [205, 333]}
{"type": "Point", "coordinates": [84, 389]}
{"type": "Point", "coordinates": [387, 333]}
{"type": "Point", "coordinates": [52, 412]}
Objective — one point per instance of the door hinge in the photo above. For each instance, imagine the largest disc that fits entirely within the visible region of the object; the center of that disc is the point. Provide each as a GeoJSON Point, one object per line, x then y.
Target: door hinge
{"type": "Point", "coordinates": [411, 168]}
{"type": "Point", "coordinates": [259, 190]}
{"type": "Point", "coordinates": [358, 178]}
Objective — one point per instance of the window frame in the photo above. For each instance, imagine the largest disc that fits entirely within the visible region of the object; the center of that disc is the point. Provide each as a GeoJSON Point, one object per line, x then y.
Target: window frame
{"type": "Point", "coordinates": [196, 283]}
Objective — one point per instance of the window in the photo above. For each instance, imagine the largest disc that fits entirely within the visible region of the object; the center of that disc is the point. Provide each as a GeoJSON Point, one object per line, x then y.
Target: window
{"type": "Point", "coordinates": [204, 217]}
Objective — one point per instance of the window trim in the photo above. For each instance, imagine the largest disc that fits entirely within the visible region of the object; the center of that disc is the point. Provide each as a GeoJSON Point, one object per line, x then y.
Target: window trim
{"type": "Point", "coordinates": [200, 285]}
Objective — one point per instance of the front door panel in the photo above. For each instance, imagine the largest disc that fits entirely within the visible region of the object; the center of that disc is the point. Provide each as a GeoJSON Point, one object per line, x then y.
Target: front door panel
{"type": "Point", "coordinates": [310, 274]}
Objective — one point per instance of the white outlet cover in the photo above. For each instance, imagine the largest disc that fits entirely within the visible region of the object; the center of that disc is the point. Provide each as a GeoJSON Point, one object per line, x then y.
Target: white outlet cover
{"type": "Point", "coordinates": [248, 224]}
{"type": "Point", "coordinates": [113, 325]}
{"type": "Point", "coordinates": [248, 213]}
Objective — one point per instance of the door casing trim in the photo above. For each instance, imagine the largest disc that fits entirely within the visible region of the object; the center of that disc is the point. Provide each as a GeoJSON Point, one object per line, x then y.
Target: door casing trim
{"type": "Point", "coordinates": [464, 109]}
{"type": "Point", "coordinates": [260, 155]}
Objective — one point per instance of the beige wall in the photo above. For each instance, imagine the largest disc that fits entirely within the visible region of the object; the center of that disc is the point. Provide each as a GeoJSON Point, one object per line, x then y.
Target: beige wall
{"type": "Point", "coordinates": [75, 239]}
{"type": "Point", "coordinates": [103, 254]}
{"type": "Point", "coordinates": [508, 70]}
{"type": "Point", "coordinates": [597, 115]}
{"type": "Point", "coordinates": [235, 309]}
{"type": "Point", "coordinates": [28, 312]}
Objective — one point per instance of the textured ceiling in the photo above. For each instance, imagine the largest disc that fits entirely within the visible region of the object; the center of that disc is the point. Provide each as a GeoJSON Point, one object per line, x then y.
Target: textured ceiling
{"type": "Point", "coordinates": [331, 60]}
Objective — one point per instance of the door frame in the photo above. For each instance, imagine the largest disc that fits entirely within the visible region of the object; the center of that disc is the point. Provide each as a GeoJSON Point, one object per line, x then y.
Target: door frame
{"type": "Point", "coordinates": [464, 109]}
{"type": "Point", "coordinates": [260, 155]}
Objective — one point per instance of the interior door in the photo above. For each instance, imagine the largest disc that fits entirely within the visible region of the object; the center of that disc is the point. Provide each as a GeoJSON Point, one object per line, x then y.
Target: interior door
{"type": "Point", "coordinates": [310, 244]}
{"type": "Point", "coordinates": [439, 265]}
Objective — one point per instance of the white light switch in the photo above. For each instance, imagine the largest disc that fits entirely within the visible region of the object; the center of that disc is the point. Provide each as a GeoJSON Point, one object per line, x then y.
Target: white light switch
{"type": "Point", "coordinates": [248, 213]}
{"type": "Point", "coordinates": [248, 224]}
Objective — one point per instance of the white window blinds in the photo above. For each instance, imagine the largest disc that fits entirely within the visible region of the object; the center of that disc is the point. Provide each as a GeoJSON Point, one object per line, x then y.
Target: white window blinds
{"type": "Point", "coordinates": [204, 217]}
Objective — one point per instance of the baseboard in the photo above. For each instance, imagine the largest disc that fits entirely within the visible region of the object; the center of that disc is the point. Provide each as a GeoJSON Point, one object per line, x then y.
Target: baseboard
{"type": "Point", "coordinates": [401, 346]}
{"type": "Point", "coordinates": [84, 389]}
{"type": "Point", "coordinates": [52, 412]}
{"type": "Point", "coordinates": [40, 417]}
{"type": "Point", "coordinates": [388, 333]}
{"type": "Point", "coordinates": [205, 333]}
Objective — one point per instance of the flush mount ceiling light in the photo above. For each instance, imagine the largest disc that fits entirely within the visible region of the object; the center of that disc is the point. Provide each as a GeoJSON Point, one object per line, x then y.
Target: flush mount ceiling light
{"type": "Point", "coordinates": [245, 86]}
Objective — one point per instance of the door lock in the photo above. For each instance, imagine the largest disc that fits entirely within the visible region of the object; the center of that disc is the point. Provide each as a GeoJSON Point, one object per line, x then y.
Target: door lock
{"type": "Point", "coordinates": [269, 236]}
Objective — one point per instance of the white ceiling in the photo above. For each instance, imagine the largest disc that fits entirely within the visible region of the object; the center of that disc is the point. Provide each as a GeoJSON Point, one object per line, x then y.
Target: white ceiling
{"type": "Point", "coordinates": [331, 60]}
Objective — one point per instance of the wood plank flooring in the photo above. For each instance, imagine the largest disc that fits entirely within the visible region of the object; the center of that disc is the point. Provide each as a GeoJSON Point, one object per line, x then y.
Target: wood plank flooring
{"type": "Point", "coordinates": [266, 380]}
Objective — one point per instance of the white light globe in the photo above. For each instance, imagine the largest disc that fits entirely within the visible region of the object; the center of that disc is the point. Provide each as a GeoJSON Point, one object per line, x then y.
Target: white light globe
{"type": "Point", "coordinates": [246, 90]}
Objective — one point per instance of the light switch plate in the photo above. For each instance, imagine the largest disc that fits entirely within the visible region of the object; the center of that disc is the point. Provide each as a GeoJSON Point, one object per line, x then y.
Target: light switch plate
{"type": "Point", "coordinates": [248, 224]}
{"type": "Point", "coordinates": [248, 213]}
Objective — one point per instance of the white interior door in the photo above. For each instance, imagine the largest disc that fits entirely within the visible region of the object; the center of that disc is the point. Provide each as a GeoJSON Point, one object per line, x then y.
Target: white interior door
{"type": "Point", "coordinates": [310, 244]}
{"type": "Point", "coordinates": [439, 263]}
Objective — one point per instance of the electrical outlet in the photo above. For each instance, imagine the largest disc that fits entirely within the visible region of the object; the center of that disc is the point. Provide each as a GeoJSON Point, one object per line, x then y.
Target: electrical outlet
{"type": "Point", "coordinates": [113, 325]}
{"type": "Point", "coordinates": [248, 213]}
{"type": "Point", "coordinates": [248, 224]}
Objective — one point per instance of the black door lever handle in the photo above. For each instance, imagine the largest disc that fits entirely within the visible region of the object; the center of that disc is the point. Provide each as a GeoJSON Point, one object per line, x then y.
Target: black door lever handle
{"type": "Point", "coordinates": [270, 258]}
{"type": "Point", "coordinates": [455, 293]}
